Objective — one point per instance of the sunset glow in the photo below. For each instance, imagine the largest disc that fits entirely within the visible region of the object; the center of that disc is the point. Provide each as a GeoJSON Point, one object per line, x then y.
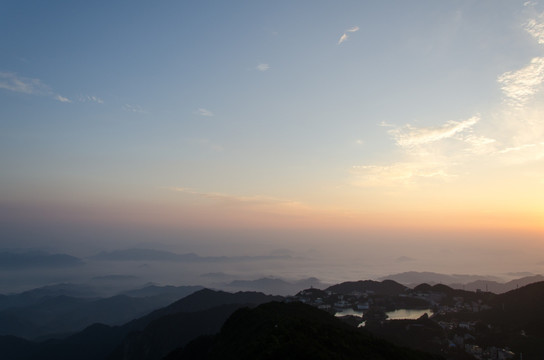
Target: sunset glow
{"type": "Point", "coordinates": [359, 121]}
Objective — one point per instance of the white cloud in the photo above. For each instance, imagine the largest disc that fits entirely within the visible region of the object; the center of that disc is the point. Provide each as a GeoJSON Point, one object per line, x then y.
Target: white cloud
{"type": "Point", "coordinates": [523, 153]}
{"type": "Point", "coordinates": [409, 136]}
{"type": "Point", "coordinates": [385, 124]}
{"type": "Point", "coordinates": [535, 27]}
{"type": "Point", "coordinates": [87, 98]}
{"type": "Point", "coordinates": [203, 112]}
{"type": "Point", "coordinates": [510, 135]}
{"type": "Point", "coordinates": [398, 174]}
{"type": "Point", "coordinates": [480, 145]}
{"type": "Point", "coordinates": [62, 99]}
{"type": "Point", "coordinates": [428, 157]}
{"type": "Point", "coordinates": [344, 36]}
{"type": "Point", "coordinates": [521, 85]}
{"type": "Point", "coordinates": [12, 82]}
{"type": "Point", "coordinates": [517, 148]}
{"type": "Point", "coordinates": [263, 67]}
{"type": "Point", "coordinates": [31, 86]}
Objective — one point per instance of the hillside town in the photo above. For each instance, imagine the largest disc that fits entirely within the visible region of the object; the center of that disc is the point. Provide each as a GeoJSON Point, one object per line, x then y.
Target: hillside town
{"type": "Point", "coordinates": [455, 323]}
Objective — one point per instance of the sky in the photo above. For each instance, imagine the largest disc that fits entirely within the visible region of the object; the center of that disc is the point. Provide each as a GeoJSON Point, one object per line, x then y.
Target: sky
{"type": "Point", "coordinates": [242, 126]}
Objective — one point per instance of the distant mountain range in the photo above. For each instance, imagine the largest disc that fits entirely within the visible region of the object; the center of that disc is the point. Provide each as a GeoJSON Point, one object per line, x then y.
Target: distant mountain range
{"type": "Point", "coordinates": [275, 285]}
{"type": "Point", "coordinates": [36, 260]}
{"type": "Point", "coordinates": [63, 309]}
{"type": "Point", "coordinates": [160, 255]}
{"type": "Point", "coordinates": [18, 260]}
{"type": "Point", "coordinates": [149, 337]}
{"type": "Point", "coordinates": [413, 278]}
{"type": "Point", "coordinates": [186, 328]}
{"type": "Point", "coordinates": [467, 282]}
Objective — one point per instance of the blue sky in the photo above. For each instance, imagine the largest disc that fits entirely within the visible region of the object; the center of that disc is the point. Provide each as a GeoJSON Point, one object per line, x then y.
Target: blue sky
{"type": "Point", "coordinates": [273, 113]}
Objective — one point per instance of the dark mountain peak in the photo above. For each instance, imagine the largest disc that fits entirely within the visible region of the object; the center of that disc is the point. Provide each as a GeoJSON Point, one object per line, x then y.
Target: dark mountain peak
{"type": "Point", "coordinates": [386, 287]}
{"type": "Point", "coordinates": [312, 292]}
{"type": "Point", "coordinates": [423, 288]}
{"type": "Point", "coordinates": [534, 291]}
{"type": "Point", "coordinates": [443, 289]}
{"type": "Point", "coordinates": [291, 331]}
{"type": "Point", "coordinates": [202, 300]}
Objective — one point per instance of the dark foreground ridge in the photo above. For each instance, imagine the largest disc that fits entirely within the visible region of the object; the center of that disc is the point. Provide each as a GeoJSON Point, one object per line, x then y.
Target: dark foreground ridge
{"type": "Point", "coordinates": [291, 331]}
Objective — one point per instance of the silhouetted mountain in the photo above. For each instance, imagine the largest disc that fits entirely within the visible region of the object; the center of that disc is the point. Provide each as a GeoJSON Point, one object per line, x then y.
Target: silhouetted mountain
{"type": "Point", "coordinates": [412, 278]}
{"type": "Point", "coordinates": [275, 285]}
{"type": "Point", "coordinates": [514, 319]}
{"type": "Point", "coordinates": [36, 259]}
{"type": "Point", "coordinates": [291, 331]}
{"type": "Point", "coordinates": [203, 312]}
{"type": "Point", "coordinates": [497, 287]}
{"type": "Point", "coordinates": [202, 300]}
{"type": "Point", "coordinates": [465, 282]}
{"type": "Point", "coordinates": [440, 288]}
{"type": "Point", "coordinates": [421, 334]}
{"type": "Point", "coordinates": [98, 341]}
{"type": "Point", "coordinates": [520, 309]}
{"type": "Point", "coordinates": [169, 332]}
{"type": "Point", "coordinates": [37, 295]}
{"type": "Point", "coordinates": [386, 287]}
{"type": "Point", "coordinates": [14, 348]}
{"type": "Point", "coordinates": [450, 293]}
{"type": "Point", "coordinates": [58, 315]}
{"type": "Point", "coordinates": [169, 291]}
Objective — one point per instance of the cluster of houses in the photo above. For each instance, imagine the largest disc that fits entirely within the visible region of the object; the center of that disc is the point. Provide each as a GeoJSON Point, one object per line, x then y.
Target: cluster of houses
{"type": "Point", "coordinates": [332, 302]}
{"type": "Point", "coordinates": [460, 335]}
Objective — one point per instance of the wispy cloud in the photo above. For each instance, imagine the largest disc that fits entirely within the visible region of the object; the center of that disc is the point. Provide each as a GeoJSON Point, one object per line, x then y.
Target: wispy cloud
{"type": "Point", "coordinates": [523, 153]}
{"type": "Point", "coordinates": [521, 85]}
{"type": "Point", "coordinates": [62, 99]}
{"type": "Point", "coordinates": [408, 135]}
{"type": "Point", "coordinates": [263, 67]}
{"type": "Point", "coordinates": [88, 98]}
{"type": "Point", "coordinates": [345, 36]}
{"type": "Point", "coordinates": [31, 86]}
{"type": "Point", "coordinates": [134, 108]}
{"type": "Point", "coordinates": [12, 82]}
{"type": "Point", "coordinates": [399, 174]}
{"type": "Point", "coordinates": [535, 27]}
{"type": "Point", "coordinates": [429, 154]}
{"type": "Point", "coordinates": [508, 135]}
{"type": "Point", "coordinates": [203, 112]}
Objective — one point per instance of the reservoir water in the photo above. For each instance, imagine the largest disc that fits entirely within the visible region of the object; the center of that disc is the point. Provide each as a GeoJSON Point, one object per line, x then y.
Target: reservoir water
{"type": "Point", "coordinates": [399, 314]}
{"type": "Point", "coordinates": [407, 314]}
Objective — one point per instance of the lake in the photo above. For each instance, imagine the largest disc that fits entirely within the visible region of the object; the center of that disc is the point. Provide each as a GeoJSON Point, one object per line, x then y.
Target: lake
{"type": "Point", "coordinates": [407, 314]}
{"type": "Point", "coordinates": [399, 314]}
